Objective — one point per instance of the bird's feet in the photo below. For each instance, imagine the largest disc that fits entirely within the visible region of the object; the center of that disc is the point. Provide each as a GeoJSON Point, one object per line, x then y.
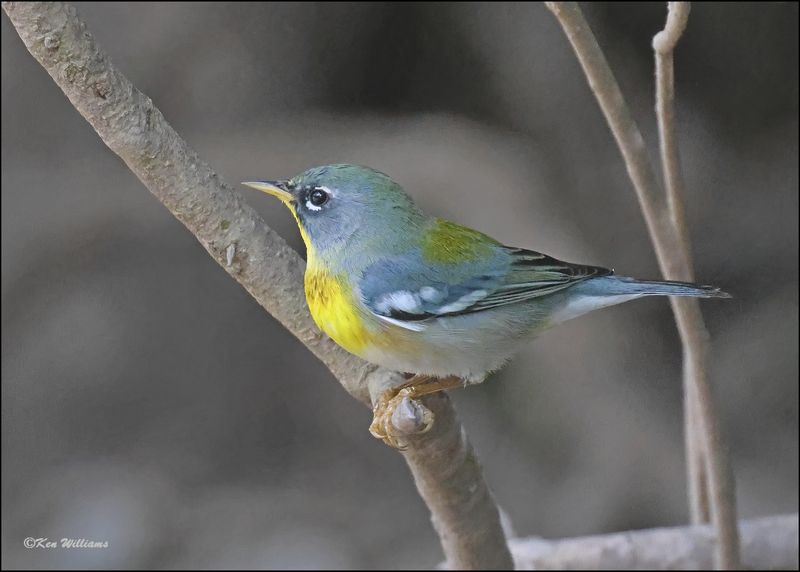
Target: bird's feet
{"type": "Point", "coordinates": [398, 413]}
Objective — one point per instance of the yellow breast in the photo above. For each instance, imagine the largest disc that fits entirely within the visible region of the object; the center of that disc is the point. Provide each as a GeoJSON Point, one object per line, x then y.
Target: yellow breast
{"type": "Point", "coordinates": [330, 300]}
{"type": "Point", "coordinates": [334, 308]}
{"type": "Point", "coordinates": [331, 303]}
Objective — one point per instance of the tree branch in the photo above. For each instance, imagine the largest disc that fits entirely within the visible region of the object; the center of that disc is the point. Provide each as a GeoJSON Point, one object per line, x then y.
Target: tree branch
{"type": "Point", "coordinates": [768, 544]}
{"type": "Point", "coordinates": [444, 467]}
{"type": "Point", "coordinates": [667, 229]}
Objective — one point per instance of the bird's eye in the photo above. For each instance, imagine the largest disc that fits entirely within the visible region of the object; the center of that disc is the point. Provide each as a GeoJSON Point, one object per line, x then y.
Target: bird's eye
{"type": "Point", "coordinates": [318, 197]}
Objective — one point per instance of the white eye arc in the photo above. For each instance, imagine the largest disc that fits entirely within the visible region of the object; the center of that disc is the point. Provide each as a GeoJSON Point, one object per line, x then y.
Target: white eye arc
{"type": "Point", "coordinates": [317, 197]}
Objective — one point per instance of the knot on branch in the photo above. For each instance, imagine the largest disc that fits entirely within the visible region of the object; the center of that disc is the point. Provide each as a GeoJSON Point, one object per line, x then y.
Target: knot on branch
{"type": "Point", "coordinates": [52, 42]}
{"type": "Point", "coordinates": [411, 417]}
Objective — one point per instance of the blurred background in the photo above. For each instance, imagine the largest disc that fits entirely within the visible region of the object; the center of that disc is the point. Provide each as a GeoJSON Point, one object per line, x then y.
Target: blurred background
{"type": "Point", "coordinates": [148, 401]}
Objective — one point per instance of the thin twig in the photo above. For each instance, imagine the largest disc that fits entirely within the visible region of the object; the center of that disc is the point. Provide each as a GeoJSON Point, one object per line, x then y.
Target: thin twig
{"type": "Point", "coordinates": [664, 45]}
{"type": "Point", "coordinates": [716, 491]}
{"type": "Point", "coordinates": [696, 473]}
{"type": "Point", "coordinates": [675, 263]}
{"type": "Point", "coordinates": [465, 514]}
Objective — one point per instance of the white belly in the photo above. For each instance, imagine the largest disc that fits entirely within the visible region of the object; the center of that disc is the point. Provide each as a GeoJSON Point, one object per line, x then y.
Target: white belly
{"type": "Point", "coordinates": [469, 346]}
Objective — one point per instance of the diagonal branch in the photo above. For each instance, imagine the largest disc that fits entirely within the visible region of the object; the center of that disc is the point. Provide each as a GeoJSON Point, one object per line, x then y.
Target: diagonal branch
{"type": "Point", "coordinates": [447, 475]}
{"type": "Point", "coordinates": [665, 223]}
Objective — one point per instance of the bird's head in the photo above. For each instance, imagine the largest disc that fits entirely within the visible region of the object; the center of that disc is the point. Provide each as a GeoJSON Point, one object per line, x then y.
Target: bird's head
{"type": "Point", "coordinates": [334, 203]}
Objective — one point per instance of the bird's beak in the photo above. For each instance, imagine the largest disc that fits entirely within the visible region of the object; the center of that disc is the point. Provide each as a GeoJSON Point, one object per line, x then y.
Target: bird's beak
{"type": "Point", "coordinates": [275, 188]}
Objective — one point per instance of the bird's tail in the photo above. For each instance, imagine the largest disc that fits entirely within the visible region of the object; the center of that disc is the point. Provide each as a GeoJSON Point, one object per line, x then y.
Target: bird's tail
{"type": "Point", "coordinates": [623, 286]}
{"type": "Point", "coordinates": [605, 291]}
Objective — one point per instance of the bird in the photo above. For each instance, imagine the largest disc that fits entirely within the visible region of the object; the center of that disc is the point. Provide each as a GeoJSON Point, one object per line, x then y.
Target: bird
{"type": "Point", "coordinates": [419, 294]}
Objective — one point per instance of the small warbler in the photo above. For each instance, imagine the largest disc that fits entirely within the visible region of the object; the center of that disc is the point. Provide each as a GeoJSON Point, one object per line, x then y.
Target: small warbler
{"type": "Point", "coordinates": [427, 296]}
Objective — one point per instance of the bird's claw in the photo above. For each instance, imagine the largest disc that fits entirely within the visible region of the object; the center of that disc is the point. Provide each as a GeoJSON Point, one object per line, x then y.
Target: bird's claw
{"type": "Point", "coordinates": [416, 419]}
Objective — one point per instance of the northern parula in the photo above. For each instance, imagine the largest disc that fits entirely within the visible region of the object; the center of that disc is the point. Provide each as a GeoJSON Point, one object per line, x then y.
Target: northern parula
{"type": "Point", "coordinates": [427, 296]}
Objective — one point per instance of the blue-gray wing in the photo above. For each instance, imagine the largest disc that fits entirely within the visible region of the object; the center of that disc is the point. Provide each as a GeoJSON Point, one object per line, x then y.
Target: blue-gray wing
{"type": "Point", "coordinates": [407, 290]}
